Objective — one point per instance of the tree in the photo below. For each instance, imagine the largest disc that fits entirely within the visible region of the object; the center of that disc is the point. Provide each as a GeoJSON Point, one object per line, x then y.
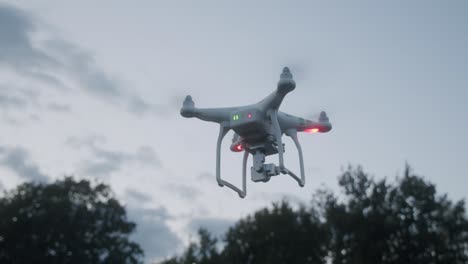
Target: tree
{"type": "Point", "coordinates": [402, 223]}
{"type": "Point", "coordinates": [270, 236]}
{"type": "Point", "coordinates": [277, 236]}
{"type": "Point", "coordinates": [202, 252]}
{"type": "Point", "coordinates": [66, 221]}
{"type": "Point", "coordinates": [376, 222]}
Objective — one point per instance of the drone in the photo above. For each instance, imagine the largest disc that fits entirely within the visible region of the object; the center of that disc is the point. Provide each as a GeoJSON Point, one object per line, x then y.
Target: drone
{"type": "Point", "coordinates": [258, 130]}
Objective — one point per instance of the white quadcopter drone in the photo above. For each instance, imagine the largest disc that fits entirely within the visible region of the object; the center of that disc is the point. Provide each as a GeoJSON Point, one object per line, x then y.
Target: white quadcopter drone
{"type": "Point", "coordinates": [258, 130]}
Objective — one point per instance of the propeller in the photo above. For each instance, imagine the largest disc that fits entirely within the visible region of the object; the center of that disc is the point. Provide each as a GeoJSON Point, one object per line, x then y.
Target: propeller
{"type": "Point", "coordinates": [317, 116]}
{"type": "Point", "coordinates": [300, 69]}
{"type": "Point", "coordinates": [188, 102]}
{"type": "Point", "coordinates": [323, 117]}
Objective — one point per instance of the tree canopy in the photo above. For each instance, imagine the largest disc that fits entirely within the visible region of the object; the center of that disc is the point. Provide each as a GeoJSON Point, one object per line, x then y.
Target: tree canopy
{"type": "Point", "coordinates": [372, 221]}
{"type": "Point", "coordinates": [375, 221]}
{"type": "Point", "coordinates": [66, 221]}
{"type": "Point", "coordinates": [404, 222]}
{"type": "Point", "coordinates": [277, 235]}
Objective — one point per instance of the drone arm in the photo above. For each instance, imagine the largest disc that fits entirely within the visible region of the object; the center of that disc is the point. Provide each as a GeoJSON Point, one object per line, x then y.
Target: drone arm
{"type": "Point", "coordinates": [288, 122]}
{"type": "Point", "coordinates": [217, 115]}
{"type": "Point", "coordinates": [272, 101]}
{"type": "Point", "coordinates": [223, 129]}
{"type": "Point", "coordinates": [285, 85]}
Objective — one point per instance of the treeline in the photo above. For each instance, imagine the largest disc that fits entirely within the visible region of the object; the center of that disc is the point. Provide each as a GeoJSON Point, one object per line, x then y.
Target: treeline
{"type": "Point", "coordinates": [374, 221]}
{"type": "Point", "coordinates": [377, 222]}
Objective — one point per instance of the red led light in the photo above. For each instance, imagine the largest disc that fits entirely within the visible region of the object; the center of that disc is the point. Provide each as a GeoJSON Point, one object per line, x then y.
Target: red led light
{"type": "Point", "coordinates": [237, 148]}
{"type": "Point", "coordinates": [312, 130]}
{"type": "Point", "coordinates": [249, 115]}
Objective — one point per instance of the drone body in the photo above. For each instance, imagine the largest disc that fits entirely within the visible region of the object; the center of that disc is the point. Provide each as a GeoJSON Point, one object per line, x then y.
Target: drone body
{"type": "Point", "coordinates": [258, 130]}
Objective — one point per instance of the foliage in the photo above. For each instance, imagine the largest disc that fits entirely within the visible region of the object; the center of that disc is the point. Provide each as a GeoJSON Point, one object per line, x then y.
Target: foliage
{"type": "Point", "coordinates": [66, 221]}
{"type": "Point", "coordinates": [203, 252]}
{"type": "Point", "coordinates": [277, 235]}
{"type": "Point", "coordinates": [405, 223]}
{"type": "Point", "coordinates": [375, 222]}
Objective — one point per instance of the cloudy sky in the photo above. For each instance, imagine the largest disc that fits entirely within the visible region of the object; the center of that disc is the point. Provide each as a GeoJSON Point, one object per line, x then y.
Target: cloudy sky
{"type": "Point", "coordinates": [93, 89]}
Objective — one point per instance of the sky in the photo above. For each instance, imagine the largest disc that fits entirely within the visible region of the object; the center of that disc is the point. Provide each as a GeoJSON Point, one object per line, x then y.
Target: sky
{"type": "Point", "coordinates": [94, 88]}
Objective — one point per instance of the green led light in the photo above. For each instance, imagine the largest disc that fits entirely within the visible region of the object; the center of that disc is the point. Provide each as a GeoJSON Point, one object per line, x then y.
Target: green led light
{"type": "Point", "coordinates": [235, 117]}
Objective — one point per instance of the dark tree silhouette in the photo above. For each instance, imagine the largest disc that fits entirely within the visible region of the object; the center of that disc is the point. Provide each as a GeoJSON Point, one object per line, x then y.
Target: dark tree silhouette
{"type": "Point", "coordinates": [270, 236]}
{"type": "Point", "coordinates": [202, 252]}
{"type": "Point", "coordinates": [375, 222]}
{"type": "Point", "coordinates": [66, 221]}
{"type": "Point", "coordinates": [402, 223]}
{"type": "Point", "coordinates": [277, 235]}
